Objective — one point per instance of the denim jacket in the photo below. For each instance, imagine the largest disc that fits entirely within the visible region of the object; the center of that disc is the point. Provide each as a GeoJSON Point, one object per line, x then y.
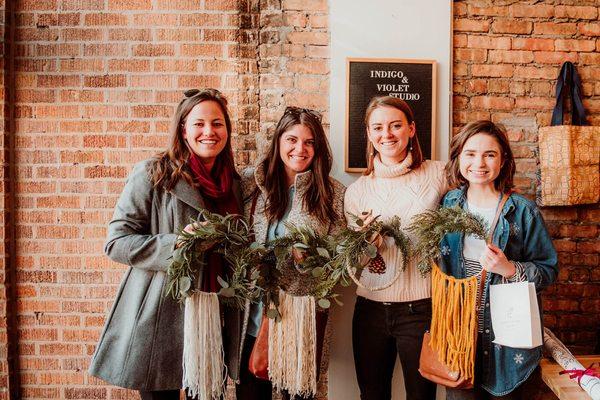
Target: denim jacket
{"type": "Point", "coordinates": [522, 236]}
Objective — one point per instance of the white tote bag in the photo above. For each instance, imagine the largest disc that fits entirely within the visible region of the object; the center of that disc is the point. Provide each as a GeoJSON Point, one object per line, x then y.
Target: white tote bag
{"type": "Point", "coordinates": [515, 315]}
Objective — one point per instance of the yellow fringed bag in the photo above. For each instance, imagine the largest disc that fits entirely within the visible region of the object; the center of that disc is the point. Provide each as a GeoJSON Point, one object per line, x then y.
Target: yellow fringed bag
{"type": "Point", "coordinates": [448, 350]}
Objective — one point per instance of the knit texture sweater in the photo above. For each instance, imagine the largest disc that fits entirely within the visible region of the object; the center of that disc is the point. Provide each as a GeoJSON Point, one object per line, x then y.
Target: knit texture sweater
{"type": "Point", "coordinates": [398, 190]}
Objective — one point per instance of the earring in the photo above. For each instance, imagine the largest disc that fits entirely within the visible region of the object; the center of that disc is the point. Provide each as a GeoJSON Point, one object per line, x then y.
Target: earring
{"type": "Point", "coordinates": [410, 144]}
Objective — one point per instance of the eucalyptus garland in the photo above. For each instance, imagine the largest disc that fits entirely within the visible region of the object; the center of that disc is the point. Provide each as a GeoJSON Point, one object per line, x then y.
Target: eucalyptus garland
{"type": "Point", "coordinates": [357, 244]}
{"type": "Point", "coordinates": [228, 235]}
{"type": "Point", "coordinates": [311, 253]}
{"type": "Point", "coordinates": [430, 227]}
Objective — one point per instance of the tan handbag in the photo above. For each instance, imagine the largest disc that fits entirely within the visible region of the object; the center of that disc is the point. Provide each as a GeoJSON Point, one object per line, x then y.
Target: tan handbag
{"type": "Point", "coordinates": [569, 154]}
{"type": "Point", "coordinates": [430, 365]}
{"type": "Point", "coordinates": [258, 364]}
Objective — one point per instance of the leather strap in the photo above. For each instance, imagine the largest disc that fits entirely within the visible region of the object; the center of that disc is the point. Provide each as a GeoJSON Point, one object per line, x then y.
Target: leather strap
{"type": "Point", "coordinates": [252, 210]}
{"type": "Point", "coordinates": [490, 237]}
{"type": "Point", "coordinates": [568, 83]}
{"type": "Point", "coordinates": [253, 207]}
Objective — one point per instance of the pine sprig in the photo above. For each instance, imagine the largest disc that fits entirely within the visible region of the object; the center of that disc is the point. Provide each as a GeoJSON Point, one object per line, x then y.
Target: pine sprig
{"type": "Point", "coordinates": [431, 226]}
{"type": "Point", "coordinates": [313, 254]}
{"type": "Point", "coordinates": [355, 245]}
{"type": "Point", "coordinates": [241, 285]}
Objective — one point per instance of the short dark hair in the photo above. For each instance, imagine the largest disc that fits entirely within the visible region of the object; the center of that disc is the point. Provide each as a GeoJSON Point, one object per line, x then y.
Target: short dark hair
{"type": "Point", "coordinates": [504, 181]}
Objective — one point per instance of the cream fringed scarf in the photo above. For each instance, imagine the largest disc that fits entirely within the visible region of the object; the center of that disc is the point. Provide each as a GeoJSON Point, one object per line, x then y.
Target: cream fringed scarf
{"type": "Point", "coordinates": [293, 346]}
{"type": "Point", "coordinates": [454, 321]}
{"type": "Point", "coordinates": [203, 356]}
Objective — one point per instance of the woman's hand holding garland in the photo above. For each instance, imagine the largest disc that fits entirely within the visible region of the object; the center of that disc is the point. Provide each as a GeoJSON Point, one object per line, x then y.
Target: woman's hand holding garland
{"type": "Point", "coordinates": [431, 226]}
{"type": "Point", "coordinates": [229, 235]}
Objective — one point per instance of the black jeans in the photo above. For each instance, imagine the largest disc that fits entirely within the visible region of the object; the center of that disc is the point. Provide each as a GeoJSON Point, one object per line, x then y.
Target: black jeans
{"type": "Point", "coordinates": [159, 394]}
{"type": "Point", "coordinates": [163, 395]}
{"type": "Point", "coordinates": [379, 332]}
{"type": "Point", "coordinates": [251, 387]}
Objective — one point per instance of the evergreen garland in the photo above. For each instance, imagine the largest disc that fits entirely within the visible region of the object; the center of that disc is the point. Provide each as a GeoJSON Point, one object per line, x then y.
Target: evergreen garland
{"type": "Point", "coordinates": [431, 226]}
{"type": "Point", "coordinates": [228, 235]}
{"type": "Point", "coordinates": [312, 253]}
{"type": "Point", "coordinates": [355, 244]}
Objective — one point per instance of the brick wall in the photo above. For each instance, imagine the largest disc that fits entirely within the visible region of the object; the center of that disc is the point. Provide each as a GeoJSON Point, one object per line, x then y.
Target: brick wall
{"type": "Point", "coordinates": [293, 60]}
{"type": "Point", "coordinates": [506, 59]}
{"type": "Point", "coordinates": [3, 209]}
{"type": "Point", "coordinates": [95, 83]}
{"type": "Point", "coordinates": [8, 366]}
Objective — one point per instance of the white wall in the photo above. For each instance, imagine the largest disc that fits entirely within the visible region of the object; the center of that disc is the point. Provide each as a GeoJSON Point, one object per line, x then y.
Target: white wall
{"type": "Point", "coordinates": [419, 29]}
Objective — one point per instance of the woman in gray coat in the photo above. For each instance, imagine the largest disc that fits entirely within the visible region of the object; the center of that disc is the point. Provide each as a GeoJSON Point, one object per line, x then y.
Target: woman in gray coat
{"type": "Point", "coordinates": [142, 342]}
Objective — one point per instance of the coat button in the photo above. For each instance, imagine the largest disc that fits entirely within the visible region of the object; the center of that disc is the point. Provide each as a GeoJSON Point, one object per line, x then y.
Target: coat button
{"type": "Point", "coordinates": [485, 352]}
{"type": "Point", "coordinates": [487, 331]}
{"type": "Point", "coordinates": [487, 304]}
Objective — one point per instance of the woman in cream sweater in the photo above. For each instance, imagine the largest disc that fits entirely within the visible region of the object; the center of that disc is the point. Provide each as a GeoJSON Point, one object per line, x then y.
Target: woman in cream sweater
{"type": "Point", "coordinates": [397, 182]}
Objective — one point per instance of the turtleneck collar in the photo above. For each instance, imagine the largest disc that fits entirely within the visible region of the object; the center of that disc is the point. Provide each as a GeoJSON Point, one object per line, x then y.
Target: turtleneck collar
{"type": "Point", "coordinates": [391, 171]}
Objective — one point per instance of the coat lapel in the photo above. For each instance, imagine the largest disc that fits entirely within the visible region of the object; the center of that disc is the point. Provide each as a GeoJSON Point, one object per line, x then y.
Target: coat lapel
{"type": "Point", "coordinates": [237, 192]}
{"type": "Point", "coordinates": [190, 196]}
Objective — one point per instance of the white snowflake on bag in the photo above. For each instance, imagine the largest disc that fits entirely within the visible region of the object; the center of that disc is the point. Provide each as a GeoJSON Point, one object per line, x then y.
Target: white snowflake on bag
{"type": "Point", "coordinates": [445, 250]}
{"type": "Point", "coordinates": [518, 358]}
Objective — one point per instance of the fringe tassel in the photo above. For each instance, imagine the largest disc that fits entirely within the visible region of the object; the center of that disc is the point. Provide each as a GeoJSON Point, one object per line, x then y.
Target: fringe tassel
{"type": "Point", "coordinates": [203, 355]}
{"type": "Point", "coordinates": [293, 346]}
{"type": "Point", "coordinates": [454, 321]}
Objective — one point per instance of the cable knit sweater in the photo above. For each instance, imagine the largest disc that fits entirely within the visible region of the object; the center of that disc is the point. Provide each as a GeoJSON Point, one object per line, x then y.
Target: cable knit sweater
{"type": "Point", "coordinates": [398, 190]}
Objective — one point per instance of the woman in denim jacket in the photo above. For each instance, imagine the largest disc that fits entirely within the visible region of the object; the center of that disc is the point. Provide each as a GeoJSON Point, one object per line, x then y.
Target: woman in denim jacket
{"type": "Point", "coordinates": [482, 165]}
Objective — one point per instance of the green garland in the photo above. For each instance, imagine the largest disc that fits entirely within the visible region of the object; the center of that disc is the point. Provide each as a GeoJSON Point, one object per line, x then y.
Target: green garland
{"type": "Point", "coordinates": [355, 245]}
{"type": "Point", "coordinates": [327, 257]}
{"type": "Point", "coordinates": [431, 226]}
{"type": "Point", "coordinates": [229, 235]}
{"type": "Point", "coordinates": [318, 257]}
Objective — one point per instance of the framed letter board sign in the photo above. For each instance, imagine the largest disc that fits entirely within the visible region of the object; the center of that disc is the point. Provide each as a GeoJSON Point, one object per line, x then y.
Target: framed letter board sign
{"type": "Point", "coordinates": [411, 80]}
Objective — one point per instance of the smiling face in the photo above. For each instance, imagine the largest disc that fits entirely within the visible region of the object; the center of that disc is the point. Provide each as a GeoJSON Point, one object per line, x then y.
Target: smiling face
{"type": "Point", "coordinates": [481, 160]}
{"type": "Point", "coordinates": [296, 150]}
{"type": "Point", "coordinates": [205, 131]}
{"type": "Point", "coordinates": [389, 131]}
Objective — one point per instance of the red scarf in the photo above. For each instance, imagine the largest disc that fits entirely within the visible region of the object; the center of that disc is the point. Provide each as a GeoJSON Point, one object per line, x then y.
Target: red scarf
{"type": "Point", "coordinates": [216, 189]}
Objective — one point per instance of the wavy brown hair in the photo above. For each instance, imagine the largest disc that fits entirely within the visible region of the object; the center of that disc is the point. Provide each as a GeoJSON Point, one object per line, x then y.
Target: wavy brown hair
{"type": "Point", "coordinates": [318, 199]}
{"type": "Point", "coordinates": [170, 165]}
{"type": "Point", "coordinates": [504, 181]}
{"type": "Point", "coordinates": [414, 146]}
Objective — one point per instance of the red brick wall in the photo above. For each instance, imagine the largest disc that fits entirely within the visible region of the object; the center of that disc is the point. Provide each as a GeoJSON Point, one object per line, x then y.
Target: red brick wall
{"type": "Point", "coordinates": [293, 59]}
{"type": "Point", "coordinates": [506, 59]}
{"type": "Point", "coordinates": [5, 191]}
{"type": "Point", "coordinates": [96, 84]}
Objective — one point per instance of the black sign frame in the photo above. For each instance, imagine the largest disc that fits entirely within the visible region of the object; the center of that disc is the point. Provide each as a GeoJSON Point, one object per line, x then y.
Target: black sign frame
{"type": "Point", "coordinates": [414, 81]}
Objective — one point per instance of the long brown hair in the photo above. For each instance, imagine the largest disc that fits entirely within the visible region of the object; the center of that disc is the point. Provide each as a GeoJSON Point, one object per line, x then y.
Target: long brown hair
{"type": "Point", "coordinates": [504, 181]}
{"type": "Point", "coordinates": [318, 199]}
{"type": "Point", "coordinates": [414, 147]}
{"type": "Point", "coordinates": [169, 165]}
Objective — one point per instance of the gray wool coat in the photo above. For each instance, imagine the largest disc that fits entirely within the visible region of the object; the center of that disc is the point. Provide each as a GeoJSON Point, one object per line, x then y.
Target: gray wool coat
{"type": "Point", "coordinates": [142, 342]}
